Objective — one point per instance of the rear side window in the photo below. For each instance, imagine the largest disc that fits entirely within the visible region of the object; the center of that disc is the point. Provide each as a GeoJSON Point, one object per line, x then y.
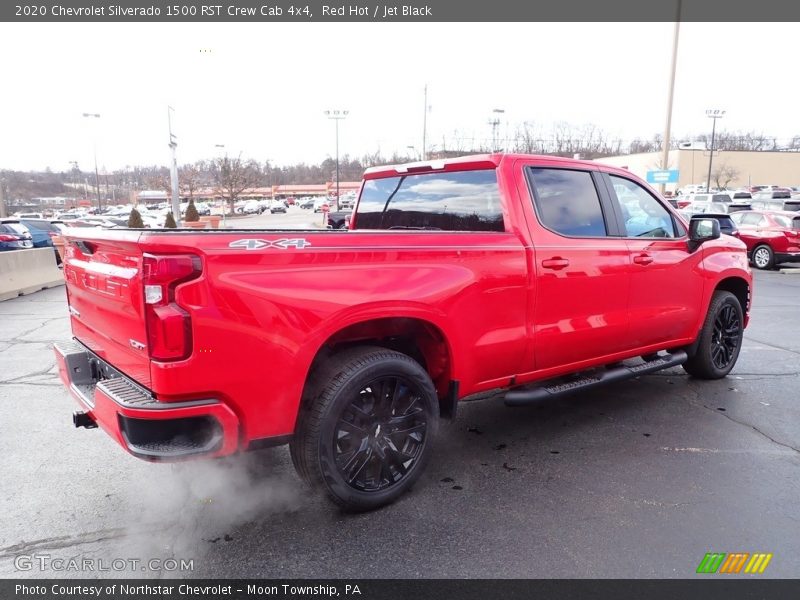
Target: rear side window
{"type": "Point", "coordinates": [14, 228]}
{"type": "Point", "coordinates": [567, 202]}
{"type": "Point", "coordinates": [455, 201]}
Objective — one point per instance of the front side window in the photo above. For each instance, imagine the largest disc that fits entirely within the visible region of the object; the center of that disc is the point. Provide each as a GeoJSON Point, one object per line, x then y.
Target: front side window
{"type": "Point", "coordinates": [643, 215]}
{"type": "Point", "coordinates": [567, 202]}
{"type": "Point", "coordinates": [455, 201]}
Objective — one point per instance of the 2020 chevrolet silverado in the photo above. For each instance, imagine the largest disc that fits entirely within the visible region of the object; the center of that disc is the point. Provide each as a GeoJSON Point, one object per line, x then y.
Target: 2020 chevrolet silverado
{"type": "Point", "coordinates": [454, 278]}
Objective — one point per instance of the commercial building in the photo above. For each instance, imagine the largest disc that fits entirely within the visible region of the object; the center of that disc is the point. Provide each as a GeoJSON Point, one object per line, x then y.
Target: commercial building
{"type": "Point", "coordinates": [730, 168]}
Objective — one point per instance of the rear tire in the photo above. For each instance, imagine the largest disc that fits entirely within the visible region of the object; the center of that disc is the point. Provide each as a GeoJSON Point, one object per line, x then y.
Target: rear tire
{"type": "Point", "coordinates": [367, 427]}
{"type": "Point", "coordinates": [720, 338]}
{"type": "Point", "coordinates": [763, 257]}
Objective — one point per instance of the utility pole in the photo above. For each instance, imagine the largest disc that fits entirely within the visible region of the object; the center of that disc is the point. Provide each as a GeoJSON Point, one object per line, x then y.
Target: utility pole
{"type": "Point", "coordinates": [712, 114]}
{"type": "Point", "coordinates": [173, 173]}
{"type": "Point", "coordinates": [668, 124]}
{"type": "Point", "coordinates": [3, 209]}
{"type": "Point", "coordinates": [337, 115]}
{"type": "Point", "coordinates": [96, 171]}
{"type": "Point", "coordinates": [495, 123]}
{"type": "Point", "coordinates": [425, 122]}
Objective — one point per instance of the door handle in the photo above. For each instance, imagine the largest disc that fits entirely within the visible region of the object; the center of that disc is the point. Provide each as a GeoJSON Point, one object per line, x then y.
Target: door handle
{"type": "Point", "coordinates": [643, 259]}
{"type": "Point", "coordinates": [555, 263]}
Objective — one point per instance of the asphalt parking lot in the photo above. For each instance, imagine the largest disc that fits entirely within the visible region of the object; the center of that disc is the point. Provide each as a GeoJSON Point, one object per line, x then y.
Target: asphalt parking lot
{"type": "Point", "coordinates": [640, 479]}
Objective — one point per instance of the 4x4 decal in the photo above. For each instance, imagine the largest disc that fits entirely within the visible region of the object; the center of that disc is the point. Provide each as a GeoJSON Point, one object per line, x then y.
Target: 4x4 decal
{"type": "Point", "coordinates": [257, 244]}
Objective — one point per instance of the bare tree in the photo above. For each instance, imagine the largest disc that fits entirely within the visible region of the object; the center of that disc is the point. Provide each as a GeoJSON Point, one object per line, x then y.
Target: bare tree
{"type": "Point", "coordinates": [723, 174]}
{"type": "Point", "coordinates": [190, 178]}
{"type": "Point", "coordinates": [232, 176]}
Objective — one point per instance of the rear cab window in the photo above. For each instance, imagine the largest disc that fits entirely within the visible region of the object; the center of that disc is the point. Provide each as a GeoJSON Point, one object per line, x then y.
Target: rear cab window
{"type": "Point", "coordinates": [444, 201]}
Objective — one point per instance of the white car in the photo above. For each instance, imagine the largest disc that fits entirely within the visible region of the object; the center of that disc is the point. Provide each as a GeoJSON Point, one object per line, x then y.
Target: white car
{"type": "Point", "coordinates": [251, 207]}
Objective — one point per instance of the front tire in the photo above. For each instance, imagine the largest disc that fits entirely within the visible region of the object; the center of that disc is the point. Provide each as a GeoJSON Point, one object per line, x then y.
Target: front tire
{"type": "Point", "coordinates": [366, 431]}
{"type": "Point", "coordinates": [763, 257]}
{"type": "Point", "coordinates": [720, 338]}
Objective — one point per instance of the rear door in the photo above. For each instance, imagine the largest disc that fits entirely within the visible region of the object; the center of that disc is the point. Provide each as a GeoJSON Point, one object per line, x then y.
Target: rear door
{"type": "Point", "coordinates": [580, 299]}
{"type": "Point", "coordinates": [104, 290]}
{"type": "Point", "coordinates": [665, 286]}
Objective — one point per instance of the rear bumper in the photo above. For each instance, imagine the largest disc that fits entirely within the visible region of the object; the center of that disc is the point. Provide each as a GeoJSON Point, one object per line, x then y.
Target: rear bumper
{"type": "Point", "coordinates": [145, 427]}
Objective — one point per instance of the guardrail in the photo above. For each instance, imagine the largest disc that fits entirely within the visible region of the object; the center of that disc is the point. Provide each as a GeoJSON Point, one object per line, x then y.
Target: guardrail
{"type": "Point", "coordinates": [27, 271]}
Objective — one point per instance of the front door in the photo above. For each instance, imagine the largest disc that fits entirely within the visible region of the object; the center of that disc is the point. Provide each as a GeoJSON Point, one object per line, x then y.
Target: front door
{"type": "Point", "coordinates": [666, 287]}
{"type": "Point", "coordinates": [581, 281]}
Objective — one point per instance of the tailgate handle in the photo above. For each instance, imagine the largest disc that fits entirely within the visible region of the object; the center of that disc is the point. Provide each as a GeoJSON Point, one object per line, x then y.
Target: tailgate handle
{"type": "Point", "coordinates": [86, 247]}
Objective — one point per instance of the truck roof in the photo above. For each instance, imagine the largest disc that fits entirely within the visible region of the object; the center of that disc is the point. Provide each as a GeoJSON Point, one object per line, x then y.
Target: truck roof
{"type": "Point", "coordinates": [475, 161]}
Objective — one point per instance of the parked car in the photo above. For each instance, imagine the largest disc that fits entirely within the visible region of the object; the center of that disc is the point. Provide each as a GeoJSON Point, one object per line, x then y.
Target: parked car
{"type": "Point", "coordinates": [703, 206]}
{"type": "Point", "coordinates": [41, 231]}
{"type": "Point", "coordinates": [307, 203]}
{"type": "Point", "coordinates": [504, 271]}
{"type": "Point", "coordinates": [14, 235]}
{"type": "Point", "coordinates": [251, 207]}
{"type": "Point", "coordinates": [277, 206]}
{"type": "Point", "coordinates": [726, 223]}
{"type": "Point", "coordinates": [30, 215]}
{"type": "Point", "coordinates": [792, 204]}
{"type": "Point", "coordinates": [776, 193]}
{"type": "Point", "coordinates": [321, 205]}
{"type": "Point", "coordinates": [771, 237]}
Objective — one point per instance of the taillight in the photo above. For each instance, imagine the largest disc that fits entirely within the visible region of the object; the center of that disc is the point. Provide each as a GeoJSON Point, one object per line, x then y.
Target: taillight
{"type": "Point", "coordinates": [8, 238]}
{"type": "Point", "coordinates": [169, 327]}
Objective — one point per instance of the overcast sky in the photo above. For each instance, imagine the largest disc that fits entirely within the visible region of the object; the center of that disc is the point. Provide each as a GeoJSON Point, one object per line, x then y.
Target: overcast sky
{"type": "Point", "coordinates": [261, 89]}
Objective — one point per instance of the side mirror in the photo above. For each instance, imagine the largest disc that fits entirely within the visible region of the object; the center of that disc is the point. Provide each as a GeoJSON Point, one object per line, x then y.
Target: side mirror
{"type": "Point", "coordinates": [702, 230]}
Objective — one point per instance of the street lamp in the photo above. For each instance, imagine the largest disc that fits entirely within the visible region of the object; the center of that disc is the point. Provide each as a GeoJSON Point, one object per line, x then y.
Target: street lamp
{"type": "Point", "coordinates": [413, 150]}
{"type": "Point", "coordinates": [96, 172]}
{"type": "Point", "coordinates": [712, 114]}
{"type": "Point", "coordinates": [337, 115]}
{"type": "Point", "coordinates": [495, 123]}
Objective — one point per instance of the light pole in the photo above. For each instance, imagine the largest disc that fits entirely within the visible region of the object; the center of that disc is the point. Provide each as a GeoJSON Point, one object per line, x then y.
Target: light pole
{"type": "Point", "coordinates": [712, 114]}
{"type": "Point", "coordinates": [337, 115]}
{"type": "Point", "coordinates": [173, 172]}
{"type": "Point", "coordinates": [668, 124]}
{"type": "Point", "coordinates": [495, 123]}
{"type": "Point", "coordinates": [414, 150]}
{"type": "Point", "coordinates": [96, 172]}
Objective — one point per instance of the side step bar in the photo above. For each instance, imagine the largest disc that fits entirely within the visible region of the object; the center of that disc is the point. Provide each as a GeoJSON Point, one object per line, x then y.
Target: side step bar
{"type": "Point", "coordinates": [523, 397]}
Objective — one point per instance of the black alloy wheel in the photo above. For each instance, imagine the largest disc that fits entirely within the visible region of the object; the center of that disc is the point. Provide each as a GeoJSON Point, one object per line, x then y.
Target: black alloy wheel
{"type": "Point", "coordinates": [725, 337]}
{"type": "Point", "coordinates": [380, 434]}
{"type": "Point", "coordinates": [366, 426]}
{"type": "Point", "coordinates": [717, 347]}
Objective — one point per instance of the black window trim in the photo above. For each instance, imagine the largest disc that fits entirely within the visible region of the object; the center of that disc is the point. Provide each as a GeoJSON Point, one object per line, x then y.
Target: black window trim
{"type": "Point", "coordinates": [618, 210]}
{"type": "Point", "coordinates": [605, 208]}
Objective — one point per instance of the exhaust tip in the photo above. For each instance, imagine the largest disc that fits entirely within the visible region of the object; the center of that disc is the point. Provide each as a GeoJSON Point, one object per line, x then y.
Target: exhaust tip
{"type": "Point", "coordinates": [82, 419]}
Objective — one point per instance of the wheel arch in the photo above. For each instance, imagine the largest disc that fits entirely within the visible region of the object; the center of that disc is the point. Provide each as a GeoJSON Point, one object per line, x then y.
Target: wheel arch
{"type": "Point", "coordinates": [414, 336]}
{"type": "Point", "coordinates": [739, 287]}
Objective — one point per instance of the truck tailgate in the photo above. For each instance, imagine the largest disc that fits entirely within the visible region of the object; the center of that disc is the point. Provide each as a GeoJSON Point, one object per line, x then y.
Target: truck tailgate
{"type": "Point", "coordinates": [104, 291]}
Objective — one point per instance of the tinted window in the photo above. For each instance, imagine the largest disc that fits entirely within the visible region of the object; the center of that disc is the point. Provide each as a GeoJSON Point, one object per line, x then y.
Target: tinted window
{"type": "Point", "coordinates": [751, 219]}
{"type": "Point", "coordinates": [14, 228]}
{"type": "Point", "coordinates": [567, 202]}
{"type": "Point", "coordinates": [783, 221]}
{"type": "Point", "coordinates": [644, 216]}
{"type": "Point", "coordinates": [726, 224]}
{"type": "Point", "coordinates": [458, 201]}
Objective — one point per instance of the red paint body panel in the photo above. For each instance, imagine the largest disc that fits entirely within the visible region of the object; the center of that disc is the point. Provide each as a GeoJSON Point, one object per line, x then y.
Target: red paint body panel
{"type": "Point", "coordinates": [503, 310]}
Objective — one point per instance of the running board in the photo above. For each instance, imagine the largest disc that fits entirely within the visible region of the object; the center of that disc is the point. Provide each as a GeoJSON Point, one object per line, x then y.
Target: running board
{"type": "Point", "coordinates": [523, 397]}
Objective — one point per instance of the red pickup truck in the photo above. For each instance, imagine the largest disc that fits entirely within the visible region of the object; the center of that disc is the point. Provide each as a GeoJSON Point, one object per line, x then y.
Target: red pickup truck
{"type": "Point", "coordinates": [533, 275]}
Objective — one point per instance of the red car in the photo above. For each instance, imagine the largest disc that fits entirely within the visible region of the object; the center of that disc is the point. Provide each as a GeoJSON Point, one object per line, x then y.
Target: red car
{"type": "Point", "coordinates": [772, 237]}
{"type": "Point", "coordinates": [535, 275]}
